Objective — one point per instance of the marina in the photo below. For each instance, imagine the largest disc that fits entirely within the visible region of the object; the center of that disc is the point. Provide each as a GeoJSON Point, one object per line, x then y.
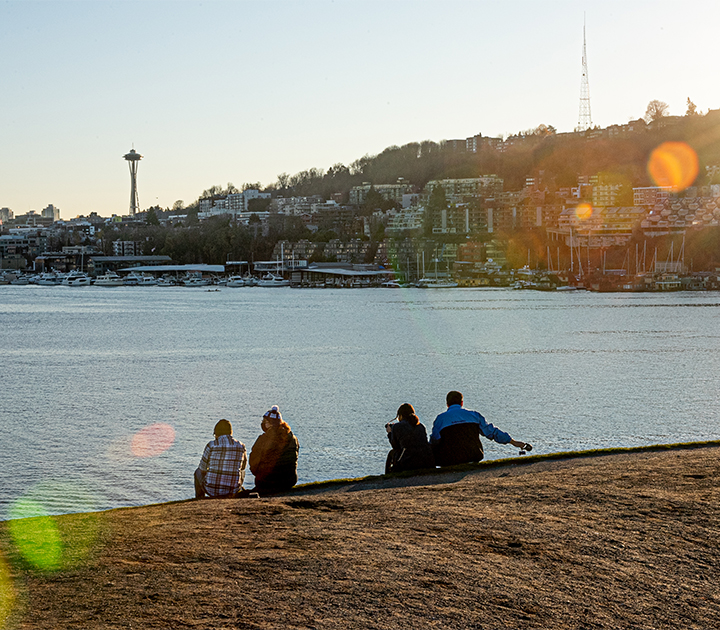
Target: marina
{"type": "Point", "coordinates": [108, 396]}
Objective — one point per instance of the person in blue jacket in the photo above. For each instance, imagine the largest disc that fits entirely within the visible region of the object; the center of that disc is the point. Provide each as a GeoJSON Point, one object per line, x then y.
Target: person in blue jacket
{"type": "Point", "coordinates": [455, 436]}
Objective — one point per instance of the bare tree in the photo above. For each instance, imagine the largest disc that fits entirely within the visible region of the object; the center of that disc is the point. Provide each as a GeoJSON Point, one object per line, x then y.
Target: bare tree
{"type": "Point", "coordinates": [655, 111]}
{"type": "Point", "coordinates": [691, 108]}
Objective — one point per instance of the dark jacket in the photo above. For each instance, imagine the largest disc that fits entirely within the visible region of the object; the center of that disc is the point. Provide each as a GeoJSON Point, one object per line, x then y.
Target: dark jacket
{"type": "Point", "coordinates": [458, 444]}
{"type": "Point", "coordinates": [411, 450]}
{"type": "Point", "coordinates": [273, 459]}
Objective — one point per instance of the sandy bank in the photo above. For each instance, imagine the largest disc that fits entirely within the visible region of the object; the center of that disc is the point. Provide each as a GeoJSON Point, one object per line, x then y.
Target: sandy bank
{"type": "Point", "coordinates": [630, 540]}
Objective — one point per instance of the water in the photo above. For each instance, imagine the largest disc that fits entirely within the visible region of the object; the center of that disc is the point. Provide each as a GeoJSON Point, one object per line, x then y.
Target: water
{"type": "Point", "coordinates": [84, 370]}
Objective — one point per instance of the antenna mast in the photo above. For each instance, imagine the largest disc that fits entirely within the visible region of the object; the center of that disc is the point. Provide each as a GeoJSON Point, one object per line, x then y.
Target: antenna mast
{"type": "Point", "coordinates": [584, 120]}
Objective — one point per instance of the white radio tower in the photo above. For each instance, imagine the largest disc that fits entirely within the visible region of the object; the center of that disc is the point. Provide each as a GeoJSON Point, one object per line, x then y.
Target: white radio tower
{"type": "Point", "coordinates": [584, 120]}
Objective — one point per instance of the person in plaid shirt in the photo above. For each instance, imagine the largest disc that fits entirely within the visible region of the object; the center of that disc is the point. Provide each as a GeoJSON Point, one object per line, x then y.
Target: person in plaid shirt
{"type": "Point", "coordinates": [222, 468]}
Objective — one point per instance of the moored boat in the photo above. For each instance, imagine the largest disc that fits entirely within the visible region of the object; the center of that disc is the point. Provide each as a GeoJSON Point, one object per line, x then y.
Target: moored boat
{"type": "Point", "coordinates": [110, 279]}
{"type": "Point", "coordinates": [271, 280]}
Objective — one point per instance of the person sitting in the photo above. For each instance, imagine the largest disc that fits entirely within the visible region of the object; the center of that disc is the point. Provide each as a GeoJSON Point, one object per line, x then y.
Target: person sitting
{"type": "Point", "coordinates": [274, 456]}
{"type": "Point", "coordinates": [455, 436]}
{"type": "Point", "coordinates": [410, 447]}
{"type": "Point", "coordinates": [222, 467]}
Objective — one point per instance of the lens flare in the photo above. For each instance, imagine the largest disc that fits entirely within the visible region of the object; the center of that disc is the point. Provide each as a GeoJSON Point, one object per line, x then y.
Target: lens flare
{"type": "Point", "coordinates": [7, 594]}
{"type": "Point", "coordinates": [673, 164]}
{"type": "Point", "coordinates": [153, 440]}
{"type": "Point", "coordinates": [583, 211]}
{"type": "Point", "coordinates": [35, 534]}
{"type": "Point", "coordinates": [48, 543]}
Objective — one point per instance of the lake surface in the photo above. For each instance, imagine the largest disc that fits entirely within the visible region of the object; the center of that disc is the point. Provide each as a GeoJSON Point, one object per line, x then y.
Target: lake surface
{"type": "Point", "coordinates": [87, 371]}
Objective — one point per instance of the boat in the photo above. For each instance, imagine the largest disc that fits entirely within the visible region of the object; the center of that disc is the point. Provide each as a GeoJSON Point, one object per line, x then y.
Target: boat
{"type": "Point", "coordinates": [136, 279]}
{"type": "Point", "coordinates": [166, 281]}
{"type": "Point", "coordinates": [48, 279]}
{"type": "Point", "coordinates": [195, 279]}
{"type": "Point", "coordinates": [391, 284]}
{"type": "Point", "coordinates": [271, 280]}
{"type": "Point", "coordinates": [109, 279]}
{"type": "Point", "coordinates": [77, 279]}
{"type": "Point", "coordinates": [436, 283]}
{"type": "Point", "coordinates": [235, 281]}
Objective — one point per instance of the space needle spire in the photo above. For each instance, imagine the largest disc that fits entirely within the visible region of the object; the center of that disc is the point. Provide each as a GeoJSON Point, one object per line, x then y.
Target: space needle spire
{"type": "Point", "coordinates": [132, 159]}
{"type": "Point", "coordinates": [584, 120]}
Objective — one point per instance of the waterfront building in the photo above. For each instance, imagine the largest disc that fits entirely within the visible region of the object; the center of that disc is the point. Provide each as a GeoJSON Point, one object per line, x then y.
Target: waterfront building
{"type": "Point", "coordinates": [21, 245]}
{"type": "Point", "coordinates": [98, 264]}
{"type": "Point", "coordinates": [650, 195]}
{"type": "Point", "coordinates": [602, 228]}
{"type": "Point", "coordinates": [605, 195]}
{"type": "Point", "coordinates": [340, 275]}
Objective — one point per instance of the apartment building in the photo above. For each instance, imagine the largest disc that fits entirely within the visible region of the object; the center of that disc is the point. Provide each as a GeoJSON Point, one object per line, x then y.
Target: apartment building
{"type": "Point", "coordinates": [459, 190]}
{"type": "Point", "coordinates": [390, 192]}
{"type": "Point", "coordinates": [126, 248]}
{"type": "Point", "coordinates": [650, 195]}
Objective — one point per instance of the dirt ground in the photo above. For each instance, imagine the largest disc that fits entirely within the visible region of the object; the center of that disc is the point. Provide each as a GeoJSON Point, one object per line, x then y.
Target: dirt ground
{"type": "Point", "coordinates": [614, 541]}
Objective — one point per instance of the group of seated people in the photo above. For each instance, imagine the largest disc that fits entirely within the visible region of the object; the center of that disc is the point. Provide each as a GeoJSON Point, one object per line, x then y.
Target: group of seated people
{"type": "Point", "coordinates": [273, 461]}
{"type": "Point", "coordinates": [455, 439]}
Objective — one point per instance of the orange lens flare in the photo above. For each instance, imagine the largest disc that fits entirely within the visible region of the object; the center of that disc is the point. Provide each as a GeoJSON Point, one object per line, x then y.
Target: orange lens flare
{"type": "Point", "coordinates": [673, 164]}
{"type": "Point", "coordinates": [153, 440]}
{"type": "Point", "coordinates": [583, 211]}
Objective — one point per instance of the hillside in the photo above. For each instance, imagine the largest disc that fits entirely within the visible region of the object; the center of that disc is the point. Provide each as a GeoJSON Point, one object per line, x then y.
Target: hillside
{"type": "Point", "coordinates": [614, 541]}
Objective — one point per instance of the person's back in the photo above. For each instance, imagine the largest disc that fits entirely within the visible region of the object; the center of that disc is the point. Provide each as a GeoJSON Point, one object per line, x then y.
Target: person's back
{"type": "Point", "coordinates": [222, 467]}
{"type": "Point", "coordinates": [455, 437]}
{"type": "Point", "coordinates": [459, 444]}
{"type": "Point", "coordinates": [274, 456]}
{"type": "Point", "coordinates": [408, 437]}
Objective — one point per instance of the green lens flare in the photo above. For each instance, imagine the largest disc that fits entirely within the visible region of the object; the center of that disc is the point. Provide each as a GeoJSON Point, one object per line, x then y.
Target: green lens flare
{"type": "Point", "coordinates": [51, 543]}
{"type": "Point", "coordinates": [35, 535]}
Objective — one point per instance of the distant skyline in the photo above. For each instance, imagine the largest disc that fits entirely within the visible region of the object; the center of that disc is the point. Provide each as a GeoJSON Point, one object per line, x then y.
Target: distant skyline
{"type": "Point", "coordinates": [239, 91]}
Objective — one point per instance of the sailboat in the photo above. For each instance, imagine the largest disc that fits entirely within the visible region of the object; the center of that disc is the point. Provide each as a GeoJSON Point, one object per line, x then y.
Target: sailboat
{"type": "Point", "coordinates": [275, 280]}
{"type": "Point", "coordinates": [436, 282]}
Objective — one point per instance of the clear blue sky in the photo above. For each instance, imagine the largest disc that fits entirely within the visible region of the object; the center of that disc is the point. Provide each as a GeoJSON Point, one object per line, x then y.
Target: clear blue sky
{"type": "Point", "coordinates": [217, 91]}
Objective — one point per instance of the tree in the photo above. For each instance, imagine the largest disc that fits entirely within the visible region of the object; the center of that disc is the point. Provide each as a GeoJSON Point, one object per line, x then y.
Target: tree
{"type": "Point", "coordinates": [655, 111]}
{"type": "Point", "coordinates": [691, 108]}
{"type": "Point", "coordinates": [151, 217]}
{"type": "Point", "coordinates": [178, 206]}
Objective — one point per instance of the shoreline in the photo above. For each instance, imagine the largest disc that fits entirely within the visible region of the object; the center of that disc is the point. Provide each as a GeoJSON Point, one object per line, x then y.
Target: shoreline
{"type": "Point", "coordinates": [313, 486]}
{"type": "Point", "coordinates": [599, 539]}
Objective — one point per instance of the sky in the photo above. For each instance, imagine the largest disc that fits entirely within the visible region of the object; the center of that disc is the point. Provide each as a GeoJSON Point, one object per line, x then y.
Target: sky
{"type": "Point", "coordinates": [240, 91]}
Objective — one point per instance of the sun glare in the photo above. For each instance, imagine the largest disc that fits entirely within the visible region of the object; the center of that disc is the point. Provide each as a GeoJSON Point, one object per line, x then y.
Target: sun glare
{"type": "Point", "coordinates": [673, 164]}
{"type": "Point", "coordinates": [583, 211]}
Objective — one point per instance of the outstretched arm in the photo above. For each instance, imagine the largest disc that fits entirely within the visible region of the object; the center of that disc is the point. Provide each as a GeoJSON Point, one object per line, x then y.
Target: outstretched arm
{"type": "Point", "coordinates": [523, 445]}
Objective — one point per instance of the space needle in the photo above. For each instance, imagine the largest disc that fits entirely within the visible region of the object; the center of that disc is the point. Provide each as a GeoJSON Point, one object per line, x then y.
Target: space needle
{"type": "Point", "coordinates": [132, 159]}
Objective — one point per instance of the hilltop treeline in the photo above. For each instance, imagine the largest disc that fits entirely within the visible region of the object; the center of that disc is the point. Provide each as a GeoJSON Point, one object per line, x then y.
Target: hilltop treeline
{"type": "Point", "coordinates": [561, 158]}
